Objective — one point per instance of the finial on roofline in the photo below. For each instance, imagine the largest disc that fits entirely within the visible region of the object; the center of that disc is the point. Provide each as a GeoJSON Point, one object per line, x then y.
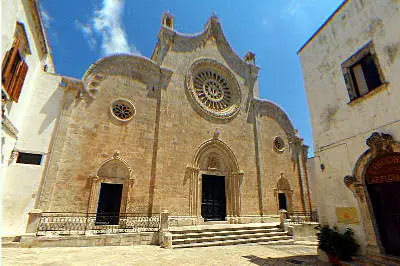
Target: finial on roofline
{"type": "Point", "coordinates": [250, 58]}
{"type": "Point", "coordinates": [168, 20]}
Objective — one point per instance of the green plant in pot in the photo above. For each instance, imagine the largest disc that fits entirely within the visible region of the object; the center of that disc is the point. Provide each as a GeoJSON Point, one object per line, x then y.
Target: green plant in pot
{"type": "Point", "coordinates": [337, 245]}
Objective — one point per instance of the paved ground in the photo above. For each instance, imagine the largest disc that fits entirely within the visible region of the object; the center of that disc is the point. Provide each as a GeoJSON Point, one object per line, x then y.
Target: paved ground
{"type": "Point", "coordinates": [154, 255]}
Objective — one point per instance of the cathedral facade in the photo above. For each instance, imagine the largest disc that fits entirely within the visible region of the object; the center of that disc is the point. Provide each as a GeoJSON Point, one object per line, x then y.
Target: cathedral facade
{"type": "Point", "coordinates": [183, 131]}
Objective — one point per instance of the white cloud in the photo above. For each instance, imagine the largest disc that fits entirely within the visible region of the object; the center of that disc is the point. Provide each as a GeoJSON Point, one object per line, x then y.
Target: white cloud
{"type": "Point", "coordinates": [87, 33]}
{"type": "Point", "coordinates": [106, 25]}
{"type": "Point", "coordinates": [46, 18]}
{"type": "Point", "coordinates": [107, 22]}
{"type": "Point", "coordinates": [298, 11]}
{"type": "Point", "coordinates": [295, 7]}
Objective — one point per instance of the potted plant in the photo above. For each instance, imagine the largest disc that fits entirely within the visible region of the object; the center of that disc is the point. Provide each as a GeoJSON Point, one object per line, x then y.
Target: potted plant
{"type": "Point", "coordinates": [336, 245]}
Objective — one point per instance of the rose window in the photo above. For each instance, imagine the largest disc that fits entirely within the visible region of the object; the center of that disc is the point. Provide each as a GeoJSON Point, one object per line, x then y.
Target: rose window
{"type": "Point", "coordinates": [214, 89]}
{"type": "Point", "coordinates": [279, 144]}
{"type": "Point", "coordinates": [123, 110]}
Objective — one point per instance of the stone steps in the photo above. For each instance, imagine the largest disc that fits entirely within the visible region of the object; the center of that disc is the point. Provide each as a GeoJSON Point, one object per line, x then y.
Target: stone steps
{"type": "Point", "coordinates": [221, 235]}
{"type": "Point", "coordinates": [268, 240]}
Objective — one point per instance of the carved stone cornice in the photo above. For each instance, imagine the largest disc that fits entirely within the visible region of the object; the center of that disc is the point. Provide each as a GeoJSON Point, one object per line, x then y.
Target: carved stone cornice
{"type": "Point", "coordinates": [268, 108]}
{"type": "Point", "coordinates": [180, 42]}
{"type": "Point", "coordinates": [33, 9]}
{"type": "Point", "coordinates": [132, 66]}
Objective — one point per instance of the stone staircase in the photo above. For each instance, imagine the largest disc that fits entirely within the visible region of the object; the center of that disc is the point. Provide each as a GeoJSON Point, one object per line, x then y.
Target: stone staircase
{"type": "Point", "coordinates": [228, 234]}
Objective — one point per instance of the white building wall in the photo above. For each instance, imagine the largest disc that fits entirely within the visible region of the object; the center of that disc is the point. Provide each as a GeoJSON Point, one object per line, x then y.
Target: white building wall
{"type": "Point", "coordinates": [34, 116]}
{"type": "Point", "coordinates": [340, 128]}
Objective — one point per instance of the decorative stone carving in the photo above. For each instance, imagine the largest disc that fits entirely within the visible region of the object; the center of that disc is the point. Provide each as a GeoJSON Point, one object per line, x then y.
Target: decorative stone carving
{"type": "Point", "coordinates": [348, 180]}
{"type": "Point", "coordinates": [213, 89]}
{"type": "Point", "coordinates": [213, 162]}
{"type": "Point", "coordinates": [380, 143]}
{"type": "Point", "coordinates": [112, 165]}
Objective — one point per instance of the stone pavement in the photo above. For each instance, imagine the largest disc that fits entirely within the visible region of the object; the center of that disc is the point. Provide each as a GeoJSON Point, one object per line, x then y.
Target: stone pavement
{"type": "Point", "coordinates": [255, 254]}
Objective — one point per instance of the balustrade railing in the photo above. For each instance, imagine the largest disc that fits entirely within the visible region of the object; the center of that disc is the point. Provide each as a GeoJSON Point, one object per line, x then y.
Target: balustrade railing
{"type": "Point", "coordinates": [64, 223]}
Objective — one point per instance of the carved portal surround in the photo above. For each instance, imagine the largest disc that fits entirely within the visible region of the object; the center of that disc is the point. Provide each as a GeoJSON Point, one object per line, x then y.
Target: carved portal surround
{"type": "Point", "coordinates": [283, 186]}
{"type": "Point", "coordinates": [214, 157]}
{"type": "Point", "coordinates": [114, 170]}
{"type": "Point", "coordinates": [379, 145]}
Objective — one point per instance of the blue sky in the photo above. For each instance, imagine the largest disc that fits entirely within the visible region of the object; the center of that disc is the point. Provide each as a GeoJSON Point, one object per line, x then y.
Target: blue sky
{"type": "Point", "coordinates": [81, 32]}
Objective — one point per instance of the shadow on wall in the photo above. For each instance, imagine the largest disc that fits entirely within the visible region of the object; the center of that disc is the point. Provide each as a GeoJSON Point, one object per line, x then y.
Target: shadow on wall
{"type": "Point", "coordinates": [293, 260]}
{"type": "Point", "coordinates": [51, 110]}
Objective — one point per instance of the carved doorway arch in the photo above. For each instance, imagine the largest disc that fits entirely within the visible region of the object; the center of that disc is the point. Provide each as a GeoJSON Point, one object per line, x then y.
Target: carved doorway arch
{"type": "Point", "coordinates": [112, 171]}
{"type": "Point", "coordinates": [214, 157]}
{"type": "Point", "coordinates": [366, 175]}
{"type": "Point", "coordinates": [283, 187]}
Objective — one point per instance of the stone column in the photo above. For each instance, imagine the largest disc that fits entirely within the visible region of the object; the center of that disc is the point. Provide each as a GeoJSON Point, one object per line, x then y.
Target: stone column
{"type": "Point", "coordinates": [283, 217]}
{"type": "Point", "coordinates": [192, 174]}
{"type": "Point", "coordinates": [31, 228]}
{"type": "Point", "coordinates": [33, 221]}
{"type": "Point", "coordinates": [165, 235]}
{"type": "Point", "coordinates": [236, 193]}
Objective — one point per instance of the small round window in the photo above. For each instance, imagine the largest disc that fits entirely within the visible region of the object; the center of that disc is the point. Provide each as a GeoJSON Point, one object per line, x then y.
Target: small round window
{"type": "Point", "coordinates": [279, 144]}
{"type": "Point", "coordinates": [122, 110]}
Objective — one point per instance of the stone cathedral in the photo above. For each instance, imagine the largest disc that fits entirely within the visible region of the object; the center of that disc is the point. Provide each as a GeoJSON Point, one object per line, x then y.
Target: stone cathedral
{"type": "Point", "coordinates": [183, 131]}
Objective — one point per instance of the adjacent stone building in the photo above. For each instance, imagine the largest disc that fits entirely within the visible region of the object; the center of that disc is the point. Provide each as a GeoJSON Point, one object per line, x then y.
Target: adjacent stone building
{"type": "Point", "coordinates": [183, 131]}
{"type": "Point", "coordinates": [351, 68]}
{"type": "Point", "coordinates": [31, 100]}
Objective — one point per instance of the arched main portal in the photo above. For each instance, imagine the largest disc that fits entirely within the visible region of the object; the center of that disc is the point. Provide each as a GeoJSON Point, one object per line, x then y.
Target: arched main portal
{"type": "Point", "coordinates": [383, 185]}
{"type": "Point", "coordinates": [215, 183]}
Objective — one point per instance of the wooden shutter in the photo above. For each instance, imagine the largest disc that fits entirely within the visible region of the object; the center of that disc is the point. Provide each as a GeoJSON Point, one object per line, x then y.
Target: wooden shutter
{"type": "Point", "coordinates": [6, 71]}
{"type": "Point", "coordinates": [18, 80]}
{"type": "Point", "coordinates": [348, 81]}
{"type": "Point", "coordinates": [6, 59]}
{"type": "Point", "coordinates": [360, 79]}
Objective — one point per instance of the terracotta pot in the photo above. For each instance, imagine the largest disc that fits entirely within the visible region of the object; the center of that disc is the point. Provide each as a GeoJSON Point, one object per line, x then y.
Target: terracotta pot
{"type": "Point", "coordinates": [334, 260]}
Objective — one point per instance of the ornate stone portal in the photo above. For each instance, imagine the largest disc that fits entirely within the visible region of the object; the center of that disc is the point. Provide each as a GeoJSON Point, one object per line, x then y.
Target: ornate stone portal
{"type": "Point", "coordinates": [112, 171]}
{"type": "Point", "coordinates": [379, 165]}
{"type": "Point", "coordinates": [214, 157]}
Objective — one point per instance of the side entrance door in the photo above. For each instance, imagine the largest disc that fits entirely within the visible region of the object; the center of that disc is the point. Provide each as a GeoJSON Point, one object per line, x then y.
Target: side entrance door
{"type": "Point", "coordinates": [109, 204]}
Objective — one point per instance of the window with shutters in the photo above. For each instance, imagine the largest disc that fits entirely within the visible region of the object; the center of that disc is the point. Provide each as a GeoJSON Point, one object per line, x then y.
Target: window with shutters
{"type": "Point", "coordinates": [14, 70]}
{"type": "Point", "coordinates": [362, 73]}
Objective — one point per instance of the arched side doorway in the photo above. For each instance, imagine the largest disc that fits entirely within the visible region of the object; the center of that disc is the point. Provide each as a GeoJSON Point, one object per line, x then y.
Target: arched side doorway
{"type": "Point", "coordinates": [283, 194]}
{"type": "Point", "coordinates": [215, 183]}
{"type": "Point", "coordinates": [376, 185]}
{"type": "Point", "coordinates": [109, 191]}
{"type": "Point", "coordinates": [383, 185]}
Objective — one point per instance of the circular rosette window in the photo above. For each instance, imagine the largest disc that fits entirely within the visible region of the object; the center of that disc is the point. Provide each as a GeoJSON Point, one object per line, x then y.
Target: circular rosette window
{"type": "Point", "coordinates": [123, 110]}
{"type": "Point", "coordinates": [213, 89]}
{"type": "Point", "coordinates": [279, 144]}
